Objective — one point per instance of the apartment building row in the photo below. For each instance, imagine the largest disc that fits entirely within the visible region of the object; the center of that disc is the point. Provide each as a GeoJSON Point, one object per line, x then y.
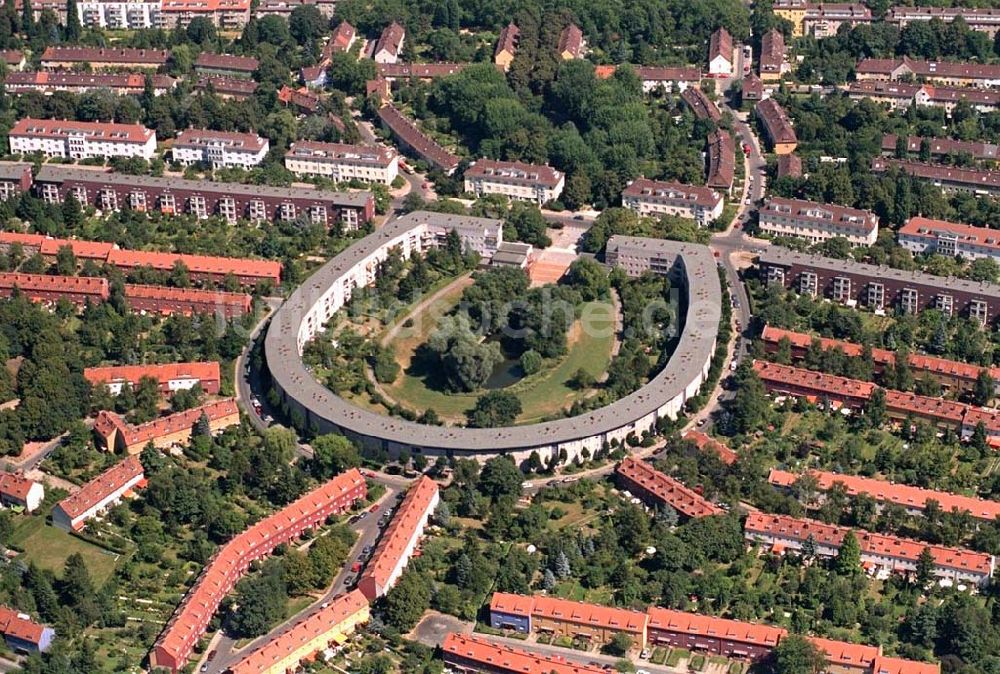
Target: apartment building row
{"type": "Point", "coordinates": [821, 19]}
{"type": "Point", "coordinates": [941, 147]}
{"type": "Point", "coordinates": [100, 58]}
{"type": "Point", "coordinates": [122, 84]}
{"type": "Point", "coordinates": [329, 626]}
{"type": "Point", "coordinates": [170, 377]}
{"type": "Point", "coordinates": [199, 267]}
{"type": "Point", "coordinates": [539, 184]}
{"type": "Point", "coordinates": [152, 299]}
{"type": "Point", "coordinates": [17, 491]}
{"type": "Point", "coordinates": [225, 65]}
{"type": "Point", "coordinates": [881, 555]}
{"type": "Point", "coordinates": [96, 496]}
{"type": "Point", "coordinates": [391, 72]}
{"type": "Point", "coordinates": [108, 191]}
{"type": "Point", "coordinates": [219, 149]}
{"type": "Point", "coordinates": [399, 540]}
{"type": "Point", "coordinates": [657, 198]}
{"type": "Point", "coordinates": [412, 139]}
{"type": "Point", "coordinates": [81, 140]}
{"type": "Point", "coordinates": [705, 442]}
{"type": "Point", "coordinates": [948, 178]}
{"type": "Point", "coordinates": [114, 434]}
{"type": "Point", "coordinates": [228, 15]}
{"type": "Point", "coordinates": [948, 73]}
{"type": "Point", "coordinates": [473, 654]}
{"type": "Point", "coordinates": [773, 63]}
{"type": "Point", "coordinates": [926, 235]}
{"type": "Point", "coordinates": [953, 376]}
{"type": "Point", "coordinates": [721, 151]}
{"type": "Point", "coordinates": [984, 19]}
{"type": "Point", "coordinates": [900, 95]}
{"type": "Point", "coordinates": [230, 88]}
{"type": "Point", "coordinates": [229, 564]}
{"type": "Point", "coordinates": [701, 105]}
{"type": "Point", "coordinates": [678, 629]}
{"type": "Point", "coordinates": [658, 489]}
{"type": "Point", "coordinates": [915, 500]}
{"type": "Point", "coordinates": [817, 222]}
{"type": "Point", "coordinates": [901, 407]}
{"type": "Point", "coordinates": [777, 126]}
{"type": "Point", "coordinates": [879, 288]}
{"type": "Point", "coordinates": [653, 78]}
{"type": "Point", "coordinates": [343, 162]}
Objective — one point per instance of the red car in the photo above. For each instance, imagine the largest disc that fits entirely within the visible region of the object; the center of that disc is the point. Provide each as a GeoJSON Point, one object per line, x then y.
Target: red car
{"type": "Point", "coordinates": [373, 509]}
{"type": "Point", "coordinates": [355, 567]}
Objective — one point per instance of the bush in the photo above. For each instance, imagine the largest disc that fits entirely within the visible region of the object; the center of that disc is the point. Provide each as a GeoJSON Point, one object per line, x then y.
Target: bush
{"type": "Point", "coordinates": [531, 362]}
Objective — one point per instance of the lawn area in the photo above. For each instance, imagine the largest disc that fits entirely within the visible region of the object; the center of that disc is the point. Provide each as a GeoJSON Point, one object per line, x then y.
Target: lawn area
{"type": "Point", "coordinates": [543, 394]}
{"type": "Point", "coordinates": [571, 589]}
{"type": "Point", "coordinates": [48, 547]}
{"type": "Point", "coordinates": [676, 656]}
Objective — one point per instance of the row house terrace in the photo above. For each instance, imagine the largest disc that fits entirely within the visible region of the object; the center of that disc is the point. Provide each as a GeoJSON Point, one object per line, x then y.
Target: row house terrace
{"type": "Point", "coordinates": [900, 95]}
{"type": "Point", "coordinates": [416, 141]}
{"type": "Point", "coordinates": [564, 618]}
{"type": "Point", "coordinates": [948, 178]}
{"type": "Point", "coordinates": [231, 201]}
{"type": "Point", "coordinates": [658, 198]}
{"type": "Point", "coordinates": [812, 385]}
{"type": "Point", "coordinates": [225, 65]}
{"type": "Point", "coordinates": [231, 88]}
{"type": "Point", "coordinates": [78, 290]}
{"type": "Point", "coordinates": [228, 565]}
{"type": "Point", "coordinates": [399, 540]}
{"type": "Point", "coordinates": [708, 634]}
{"type": "Point", "coordinates": [915, 500]}
{"type": "Point", "coordinates": [721, 151]}
{"type": "Point", "coordinates": [421, 71]}
{"type": "Point", "coordinates": [984, 19]}
{"type": "Point", "coordinates": [101, 58]}
{"type": "Point", "coordinates": [123, 84]}
{"type": "Point", "coordinates": [878, 552]}
{"type": "Point", "coordinates": [953, 376]}
{"type": "Point", "coordinates": [818, 222]}
{"type": "Point", "coordinates": [701, 105]}
{"type": "Point", "coordinates": [707, 443]}
{"type": "Point", "coordinates": [96, 496]}
{"type": "Point", "coordinates": [879, 288]}
{"type": "Point", "coordinates": [941, 147]}
{"type": "Point", "coordinates": [658, 489]}
{"type": "Point", "coordinates": [473, 654]}
{"type": "Point", "coordinates": [115, 434]}
{"type": "Point", "coordinates": [777, 126]}
{"type": "Point", "coordinates": [166, 301]}
{"type": "Point", "coordinates": [171, 377]}
{"type": "Point", "coordinates": [948, 73]}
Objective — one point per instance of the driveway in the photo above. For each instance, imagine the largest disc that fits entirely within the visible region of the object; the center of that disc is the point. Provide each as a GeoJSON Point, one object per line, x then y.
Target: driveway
{"type": "Point", "coordinates": [434, 627]}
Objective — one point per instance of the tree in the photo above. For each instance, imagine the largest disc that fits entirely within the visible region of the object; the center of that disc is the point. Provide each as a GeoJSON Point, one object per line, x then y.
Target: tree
{"type": "Point", "coordinates": [202, 427]}
{"type": "Point", "coordinates": [983, 393]}
{"type": "Point", "coordinates": [620, 645]}
{"type": "Point", "coordinates": [582, 380]}
{"type": "Point", "coordinates": [306, 24]}
{"type": "Point", "coordinates": [494, 409]}
{"type": "Point", "coordinates": [333, 454]}
{"type": "Point", "coordinates": [925, 567]}
{"type": "Point", "coordinates": [525, 222]}
{"type": "Point", "coordinates": [531, 362]}
{"type": "Point", "coordinates": [65, 261]}
{"type": "Point", "coordinates": [875, 408]}
{"type": "Point", "coordinates": [73, 28]}
{"type": "Point", "coordinates": [796, 655]}
{"type": "Point", "coordinates": [500, 478]}
{"type": "Point", "coordinates": [260, 603]}
{"type": "Point", "coordinates": [562, 566]}
{"type": "Point", "coordinates": [848, 560]}
{"type": "Point", "coordinates": [588, 277]}
{"type": "Point", "coordinates": [406, 602]}
{"type": "Point", "coordinates": [549, 580]}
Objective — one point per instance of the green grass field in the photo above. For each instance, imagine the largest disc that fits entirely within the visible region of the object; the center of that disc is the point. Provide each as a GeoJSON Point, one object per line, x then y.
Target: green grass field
{"type": "Point", "coordinates": [542, 394]}
{"type": "Point", "coordinates": [48, 547]}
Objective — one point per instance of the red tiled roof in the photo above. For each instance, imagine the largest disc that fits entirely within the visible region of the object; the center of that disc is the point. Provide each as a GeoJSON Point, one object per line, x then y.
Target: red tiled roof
{"type": "Point", "coordinates": [186, 295]}
{"type": "Point", "coordinates": [419, 70]}
{"type": "Point", "coordinates": [30, 284]}
{"type": "Point", "coordinates": [101, 487]}
{"type": "Point", "coordinates": [943, 146]}
{"type": "Point", "coordinates": [103, 131]}
{"type": "Point", "coordinates": [900, 494]}
{"type": "Point", "coordinates": [954, 174]}
{"type": "Point", "coordinates": [831, 535]}
{"type": "Point", "coordinates": [728, 456]}
{"type": "Point", "coordinates": [152, 57]}
{"type": "Point", "coordinates": [12, 57]}
{"type": "Point", "coordinates": [821, 383]}
{"type": "Point", "coordinates": [401, 530]}
{"type": "Point", "coordinates": [44, 80]}
{"type": "Point", "coordinates": [721, 44]}
{"type": "Point", "coordinates": [14, 625]}
{"type": "Point", "coordinates": [929, 69]}
{"type": "Point", "coordinates": [512, 604]}
{"type": "Point", "coordinates": [694, 194]}
{"type": "Point", "coordinates": [231, 561]}
{"type": "Point", "coordinates": [341, 39]}
{"type": "Point", "coordinates": [197, 264]}
{"type": "Point", "coordinates": [228, 86]}
{"type": "Point", "coordinates": [846, 654]}
{"type": "Point", "coordinates": [202, 137]}
{"type": "Point", "coordinates": [721, 159]}
{"type": "Point", "coordinates": [595, 615]}
{"type": "Point", "coordinates": [826, 215]}
{"type": "Point", "coordinates": [203, 371]}
{"type": "Point", "coordinates": [515, 171]}
{"type": "Point", "coordinates": [695, 624]}
{"type": "Point", "coordinates": [666, 489]}
{"type": "Point", "coordinates": [772, 51]}
{"type": "Point", "coordinates": [324, 621]}
{"type": "Point", "coordinates": [416, 139]}
{"type": "Point", "coordinates": [571, 40]}
{"type": "Point", "coordinates": [700, 104]}
{"type": "Point", "coordinates": [158, 428]}
{"type": "Point", "coordinates": [887, 665]}
{"type": "Point", "coordinates": [244, 64]}
{"type": "Point", "coordinates": [507, 41]}
{"type": "Point", "coordinates": [15, 486]}
{"type": "Point", "coordinates": [789, 165]}
{"type": "Point", "coordinates": [503, 658]}
{"type": "Point", "coordinates": [391, 40]}
{"type": "Point", "coordinates": [667, 74]}
{"type": "Point", "coordinates": [779, 127]}
{"type": "Point", "coordinates": [926, 227]}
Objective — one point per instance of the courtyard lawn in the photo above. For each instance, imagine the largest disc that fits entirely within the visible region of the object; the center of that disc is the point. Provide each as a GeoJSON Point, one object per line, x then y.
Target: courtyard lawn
{"type": "Point", "coordinates": [48, 547]}
{"type": "Point", "coordinates": [542, 395]}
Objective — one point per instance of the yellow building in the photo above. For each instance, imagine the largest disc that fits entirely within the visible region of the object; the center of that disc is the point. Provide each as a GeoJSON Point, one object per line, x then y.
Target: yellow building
{"type": "Point", "coordinates": [792, 11]}
{"type": "Point", "coordinates": [325, 628]}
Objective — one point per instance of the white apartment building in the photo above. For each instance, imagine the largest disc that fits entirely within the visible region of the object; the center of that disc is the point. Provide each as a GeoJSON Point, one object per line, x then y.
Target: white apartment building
{"type": "Point", "coordinates": [818, 222]}
{"type": "Point", "coordinates": [341, 162]}
{"type": "Point", "coordinates": [104, 491]}
{"type": "Point", "coordinates": [122, 15]}
{"type": "Point", "coordinates": [221, 149]}
{"type": "Point", "coordinates": [657, 198]}
{"type": "Point", "coordinates": [81, 140]}
{"type": "Point", "coordinates": [516, 180]}
{"type": "Point", "coordinates": [924, 235]}
{"type": "Point", "coordinates": [19, 492]}
{"type": "Point", "coordinates": [390, 44]}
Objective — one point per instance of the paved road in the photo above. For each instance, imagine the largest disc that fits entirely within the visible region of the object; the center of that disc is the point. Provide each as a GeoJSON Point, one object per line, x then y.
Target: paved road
{"type": "Point", "coordinates": [368, 532]}
{"type": "Point", "coordinates": [246, 386]}
{"type": "Point", "coordinates": [577, 656]}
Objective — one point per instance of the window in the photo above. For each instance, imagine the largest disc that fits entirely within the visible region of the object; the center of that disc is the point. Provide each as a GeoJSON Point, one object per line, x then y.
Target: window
{"type": "Point", "coordinates": [809, 283]}
{"type": "Point", "coordinates": [876, 296]}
